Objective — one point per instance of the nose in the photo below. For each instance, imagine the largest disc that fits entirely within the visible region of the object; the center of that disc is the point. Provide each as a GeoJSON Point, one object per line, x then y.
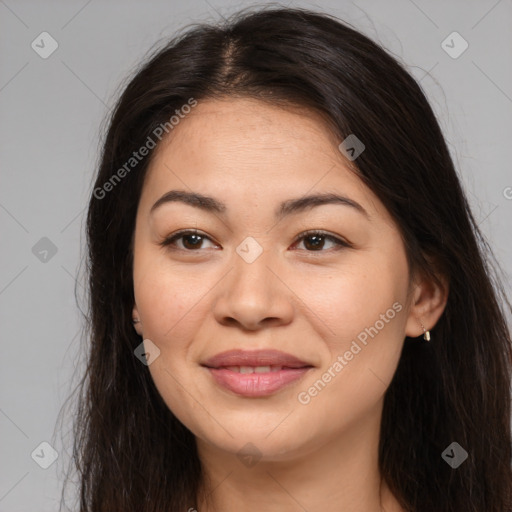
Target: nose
{"type": "Point", "coordinates": [254, 295]}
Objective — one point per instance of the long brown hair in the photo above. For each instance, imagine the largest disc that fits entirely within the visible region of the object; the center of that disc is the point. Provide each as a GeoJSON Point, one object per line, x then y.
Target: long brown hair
{"type": "Point", "coordinates": [130, 451]}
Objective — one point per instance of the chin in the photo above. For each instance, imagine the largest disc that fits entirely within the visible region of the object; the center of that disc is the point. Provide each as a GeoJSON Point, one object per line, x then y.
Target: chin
{"type": "Point", "coordinates": [257, 443]}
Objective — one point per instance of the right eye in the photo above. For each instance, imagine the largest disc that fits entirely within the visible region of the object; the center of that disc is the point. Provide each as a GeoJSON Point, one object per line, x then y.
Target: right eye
{"type": "Point", "coordinates": [191, 240]}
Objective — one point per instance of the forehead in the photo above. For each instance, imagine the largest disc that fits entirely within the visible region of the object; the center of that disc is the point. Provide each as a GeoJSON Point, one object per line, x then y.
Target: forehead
{"type": "Point", "coordinates": [249, 132]}
{"type": "Point", "coordinates": [253, 151]}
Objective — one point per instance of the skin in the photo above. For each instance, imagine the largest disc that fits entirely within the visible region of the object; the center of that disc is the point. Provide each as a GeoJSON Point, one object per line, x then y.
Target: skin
{"type": "Point", "coordinates": [319, 456]}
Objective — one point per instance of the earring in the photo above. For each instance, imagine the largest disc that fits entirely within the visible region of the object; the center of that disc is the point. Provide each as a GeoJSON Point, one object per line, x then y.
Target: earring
{"type": "Point", "coordinates": [136, 320]}
{"type": "Point", "coordinates": [426, 334]}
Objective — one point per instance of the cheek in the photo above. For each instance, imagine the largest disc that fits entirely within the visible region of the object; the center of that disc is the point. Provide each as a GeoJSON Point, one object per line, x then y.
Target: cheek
{"type": "Point", "coordinates": [169, 299]}
{"type": "Point", "coordinates": [351, 298]}
{"type": "Point", "coordinates": [360, 313]}
{"type": "Point", "coordinates": [169, 302]}
{"type": "Point", "coordinates": [362, 355]}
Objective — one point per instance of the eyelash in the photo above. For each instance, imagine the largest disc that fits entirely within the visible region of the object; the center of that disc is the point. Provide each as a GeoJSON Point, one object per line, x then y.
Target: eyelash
{"type": "Point", "coordinates": [168, 242]}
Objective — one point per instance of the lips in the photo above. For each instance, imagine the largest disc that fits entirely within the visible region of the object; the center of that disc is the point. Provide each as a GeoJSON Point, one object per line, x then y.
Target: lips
{"type": "Point", "coordinates": [255, 359]}
{"type": "Point", "coordinates": [258, 373]}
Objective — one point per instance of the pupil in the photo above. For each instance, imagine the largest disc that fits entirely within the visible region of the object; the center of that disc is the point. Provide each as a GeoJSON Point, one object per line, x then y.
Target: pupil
{"type": "Point", "coordinates": [317, 241]}
{"type": "Point", "coordinates": [186, 240]}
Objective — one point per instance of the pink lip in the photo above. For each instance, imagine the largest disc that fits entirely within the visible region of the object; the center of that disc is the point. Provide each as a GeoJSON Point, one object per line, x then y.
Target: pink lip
{"type": "Point", "coordinates": [255, 384]}
{"type": "Point", "coordinates": [254, 358]}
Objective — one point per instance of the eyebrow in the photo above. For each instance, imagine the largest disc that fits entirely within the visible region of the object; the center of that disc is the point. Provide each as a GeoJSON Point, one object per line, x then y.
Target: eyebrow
{"type": "Point", "coordinates": [289, 207]}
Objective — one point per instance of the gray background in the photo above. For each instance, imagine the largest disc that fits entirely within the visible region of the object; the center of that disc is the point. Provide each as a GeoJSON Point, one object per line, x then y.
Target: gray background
{"type": "Point", "coordinates": [51, 111]}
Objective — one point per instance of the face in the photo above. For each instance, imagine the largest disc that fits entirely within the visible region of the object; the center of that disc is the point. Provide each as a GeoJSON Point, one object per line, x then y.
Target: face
{"type": "Point", "coordinates": [260, 267]}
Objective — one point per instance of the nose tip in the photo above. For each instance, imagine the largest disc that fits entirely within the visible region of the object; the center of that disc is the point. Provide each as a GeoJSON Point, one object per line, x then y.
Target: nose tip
{"type": "Point", "coordinates": [252, 297]}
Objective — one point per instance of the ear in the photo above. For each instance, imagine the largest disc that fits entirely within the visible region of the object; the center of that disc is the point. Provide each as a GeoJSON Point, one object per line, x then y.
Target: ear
{"type": "Point", "coordinates": [428, 302]}
{"type": "Point", "coordinates": [135, 316]}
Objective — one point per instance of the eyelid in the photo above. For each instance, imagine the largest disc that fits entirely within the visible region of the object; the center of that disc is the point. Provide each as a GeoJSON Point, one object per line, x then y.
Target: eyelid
{"type": "Point", "coordinates": [336, 239]}
{"type": "Point", "coordinates": [167, 241]}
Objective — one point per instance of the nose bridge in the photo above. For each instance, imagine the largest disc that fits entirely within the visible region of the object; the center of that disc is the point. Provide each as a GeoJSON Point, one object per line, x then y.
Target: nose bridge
{"type": "Point", "coordinates": [251, 276]}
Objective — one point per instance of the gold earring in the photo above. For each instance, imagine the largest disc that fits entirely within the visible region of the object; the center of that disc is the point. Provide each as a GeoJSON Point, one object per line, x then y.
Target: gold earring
{"type": "Point", "coordinates": [426, 334]}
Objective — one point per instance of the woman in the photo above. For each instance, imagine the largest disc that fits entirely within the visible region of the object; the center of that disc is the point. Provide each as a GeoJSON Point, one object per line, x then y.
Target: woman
{"type": "Point", "coordinates": [290, 302]}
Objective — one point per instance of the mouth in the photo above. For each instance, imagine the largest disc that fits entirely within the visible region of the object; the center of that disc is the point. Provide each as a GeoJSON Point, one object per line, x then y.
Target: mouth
{"type": "Point", "coordinates": [255, 373]}
{"type": "Point", "coordinates": [254, 359]}
{"type": "Point", "coordinates": [260, 369]}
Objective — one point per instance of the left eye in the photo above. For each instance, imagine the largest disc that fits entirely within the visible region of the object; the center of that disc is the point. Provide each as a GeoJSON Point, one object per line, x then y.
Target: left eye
{"type": "Point", "coordinates": [314, 241]}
